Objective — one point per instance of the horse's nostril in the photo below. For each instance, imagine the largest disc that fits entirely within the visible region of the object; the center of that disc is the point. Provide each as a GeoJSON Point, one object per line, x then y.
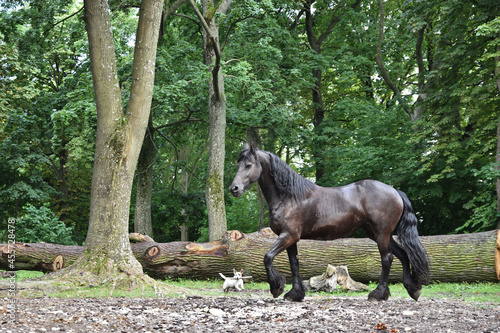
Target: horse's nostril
{"type": "Point", "coordinates": [234, 188]}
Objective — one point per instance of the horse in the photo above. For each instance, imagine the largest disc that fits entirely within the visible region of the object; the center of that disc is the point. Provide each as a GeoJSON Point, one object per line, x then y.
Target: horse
{"type": "Point", "coordinates": [300, 209]}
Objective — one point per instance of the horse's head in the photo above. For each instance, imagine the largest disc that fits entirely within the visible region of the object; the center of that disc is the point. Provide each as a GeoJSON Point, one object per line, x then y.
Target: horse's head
{"type": "Point", "coordinates": [249, 170]}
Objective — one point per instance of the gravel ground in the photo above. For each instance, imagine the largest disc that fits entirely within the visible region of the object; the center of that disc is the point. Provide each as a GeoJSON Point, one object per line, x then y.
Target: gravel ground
{"type": "Point", "coordinates": [248, 313]}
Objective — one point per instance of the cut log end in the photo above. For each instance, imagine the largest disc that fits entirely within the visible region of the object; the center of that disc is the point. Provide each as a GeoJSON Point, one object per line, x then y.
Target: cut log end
{"type": "Point", "coordinates": [6, 249]}
{"type": "Point", "coordinates": [58, 263]}
{"type": "Point", "coordinates": [152, 252]}
{"type": "Point", "coordinates": [234, 235]}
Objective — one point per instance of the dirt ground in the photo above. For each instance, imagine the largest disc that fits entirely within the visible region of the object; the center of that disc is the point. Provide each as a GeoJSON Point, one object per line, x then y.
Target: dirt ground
{"type": "Point", "coordinates": [248, 313]}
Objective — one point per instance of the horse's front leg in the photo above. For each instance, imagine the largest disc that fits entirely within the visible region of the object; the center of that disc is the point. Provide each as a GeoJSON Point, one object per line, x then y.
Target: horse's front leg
{"type": "Point", "coordinates": [297, 293]}
{"type": "Point", "coordinates": [276, 281]}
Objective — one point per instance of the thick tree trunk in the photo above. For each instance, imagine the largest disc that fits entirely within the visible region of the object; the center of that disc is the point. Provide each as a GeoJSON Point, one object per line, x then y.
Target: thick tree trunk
{"type": "Point", "coordinates": [119, 138]}
{"type": "Point", "coordinates": [454, 258]}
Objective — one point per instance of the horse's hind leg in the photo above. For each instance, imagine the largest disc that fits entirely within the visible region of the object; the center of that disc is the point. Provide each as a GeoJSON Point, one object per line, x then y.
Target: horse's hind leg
{"type": "Point", "coordinates": [411, 286]}
{"type": "Point", "coordinates": [382, 293]}
{"type": "Point", "coordinates": [297, 293]}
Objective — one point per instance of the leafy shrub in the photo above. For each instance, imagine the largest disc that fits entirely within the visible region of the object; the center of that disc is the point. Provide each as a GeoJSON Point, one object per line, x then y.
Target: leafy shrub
{"type": "Point", "coordinates": [42, 225]}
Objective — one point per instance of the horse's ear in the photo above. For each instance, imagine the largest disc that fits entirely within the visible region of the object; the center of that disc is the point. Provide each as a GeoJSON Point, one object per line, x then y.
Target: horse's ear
{"type": "Point", "coordinates": [251, 147]}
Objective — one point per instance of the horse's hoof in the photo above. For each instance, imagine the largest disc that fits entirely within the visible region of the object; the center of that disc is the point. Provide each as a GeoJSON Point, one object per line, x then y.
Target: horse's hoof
{"type": "Point", "coordinates": [277, 292]}
{"type": "Point", "coordinates": [377, 295]}
{"type": "Point", "coordinates": [277, 285]}
{"type": "Point", "coordinates": [374, 298]}
{"type": "Point", "coordinates": [416, 295]}
{"type": "Point", "coordinates": [295, 296]}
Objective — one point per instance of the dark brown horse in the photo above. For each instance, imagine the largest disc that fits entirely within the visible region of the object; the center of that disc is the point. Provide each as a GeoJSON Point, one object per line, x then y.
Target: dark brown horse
{"type": "Point", "coordinates": [300, 209]}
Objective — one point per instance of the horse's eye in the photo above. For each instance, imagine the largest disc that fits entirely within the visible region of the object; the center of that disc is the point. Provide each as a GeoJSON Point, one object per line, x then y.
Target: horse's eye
{"type": "Point", "coordinates": [248, 166]}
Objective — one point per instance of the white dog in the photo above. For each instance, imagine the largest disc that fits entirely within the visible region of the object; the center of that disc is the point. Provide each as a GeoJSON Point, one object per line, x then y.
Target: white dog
{"type": "Point", "coordinates": [236, 282]}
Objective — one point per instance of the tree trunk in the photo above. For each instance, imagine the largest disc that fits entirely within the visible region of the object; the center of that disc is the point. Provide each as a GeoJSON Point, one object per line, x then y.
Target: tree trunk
{"type": "Point", "coordinates": [315, 42]}
{"type": "Point", "coordinates": [497, 158]}
{"type": "Point", "coordinates": [319, 115]}
{"type": "Point", "coordinates": [317, 98]}
{"type": "Point", "coordinates": [142, 222]}
{"type": "Point", "coordinates": [119, 138]}
{"type": "Point", "coordinates": [214, 194]}
{"type": "Point", "coordinates": [62, 182]}
{"type": "Point", "coordinates": [185, 180]}
{"type": "Point", "coordinates": [454, 258]}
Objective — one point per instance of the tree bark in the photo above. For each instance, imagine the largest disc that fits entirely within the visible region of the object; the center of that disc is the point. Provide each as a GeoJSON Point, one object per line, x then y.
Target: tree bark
{"type": "Point", "coordinates": [214, 193]}
{"type": "Point", "coordinates": [119, 138]}
{"type": "Point", "coordinates": [497, 157]}
{"type": "Point", "coordinates": [454, 258]}
{"type": "Point", "coordinates": [185, 180]}
{"type": "Point", "coordinates": [143, 223]}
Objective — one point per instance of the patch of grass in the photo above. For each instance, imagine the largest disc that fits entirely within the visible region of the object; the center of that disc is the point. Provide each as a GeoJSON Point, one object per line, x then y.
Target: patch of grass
{"type": "Point", "coordinates": [22, 275]}
{"type": "Point", "coordinates": [213, 287]}
{"type": "Point", "coordinates": [483, 292]}
{"type": "Point", "coordinates": [480, 292]}
{"type": "Point", "coordinates": [104, 292]}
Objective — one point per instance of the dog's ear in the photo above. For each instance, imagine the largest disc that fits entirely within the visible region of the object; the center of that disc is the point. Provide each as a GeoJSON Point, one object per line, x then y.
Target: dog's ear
{"type": "Point", "coordinates": [234, 271]}
{"type": "Point", "coordinates": [241, 272]}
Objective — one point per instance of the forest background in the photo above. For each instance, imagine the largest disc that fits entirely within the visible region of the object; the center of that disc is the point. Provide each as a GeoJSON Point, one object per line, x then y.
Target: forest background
{"type": "Point", "coordinates": [405, 92]}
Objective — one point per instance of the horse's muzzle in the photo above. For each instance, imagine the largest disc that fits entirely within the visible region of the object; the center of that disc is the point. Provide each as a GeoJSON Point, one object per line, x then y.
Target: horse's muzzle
{"type": "Point", "coordinates": [236, 190]}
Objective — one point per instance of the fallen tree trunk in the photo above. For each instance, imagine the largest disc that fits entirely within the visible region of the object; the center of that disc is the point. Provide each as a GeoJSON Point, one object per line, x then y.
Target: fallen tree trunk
{"type": "Point", "coordinates": [454, 258]}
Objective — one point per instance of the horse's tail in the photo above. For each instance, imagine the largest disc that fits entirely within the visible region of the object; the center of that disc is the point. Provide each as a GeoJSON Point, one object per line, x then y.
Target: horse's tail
{"type": "Point", "coordinates": [408, 237]}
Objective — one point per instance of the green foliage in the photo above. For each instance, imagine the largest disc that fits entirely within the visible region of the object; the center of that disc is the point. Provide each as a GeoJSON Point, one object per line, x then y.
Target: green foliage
{"type": "Point", "coordinates": [243, 213]}
{"type": "Point", "coordinates": [42, 225]}
{"type": "Point", "coordinates": [171, 209]}
{"type": "Point", "coordinates": [444, 160]}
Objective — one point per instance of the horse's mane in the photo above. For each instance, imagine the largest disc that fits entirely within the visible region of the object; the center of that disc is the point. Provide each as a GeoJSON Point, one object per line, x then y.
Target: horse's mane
{"type": "Point", "coordinates": [245, 154]}
{"type": "Point", "coordinates": [288, 182]}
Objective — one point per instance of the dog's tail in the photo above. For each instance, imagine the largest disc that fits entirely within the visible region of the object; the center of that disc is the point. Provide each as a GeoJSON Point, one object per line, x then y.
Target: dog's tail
{"type": "Point", "coordinates": [222, 275]}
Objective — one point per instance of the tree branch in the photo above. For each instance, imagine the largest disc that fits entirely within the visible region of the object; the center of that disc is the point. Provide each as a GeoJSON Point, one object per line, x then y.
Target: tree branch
{"type": "Point", "coordinates": [200, 17]}
{"type": "Point", "coordinates": [64, 19]}
{"type": "Point", "coordinates": [379, 60]}
{"type": "Point", "coordinates": [313, 42]}
{"type": "Point", "coordinates": [232, 26]}
{"type": "Point", "coordinates": [189, 18]}
{"type": "Point", "coordinates": [216, 68]}
{"type": "Point", "coordinates": [420, 58]}
{"type": "Point", "coordinates": [187, 119]}
{"type": "Point", "coordinates": [174, 7]}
